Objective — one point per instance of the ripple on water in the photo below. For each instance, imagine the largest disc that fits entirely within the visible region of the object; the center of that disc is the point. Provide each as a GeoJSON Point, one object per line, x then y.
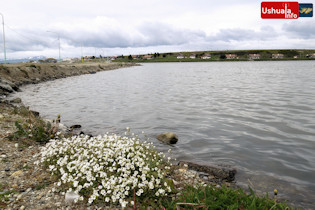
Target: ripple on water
{"type": "Point", "coordinates": [257, 116]}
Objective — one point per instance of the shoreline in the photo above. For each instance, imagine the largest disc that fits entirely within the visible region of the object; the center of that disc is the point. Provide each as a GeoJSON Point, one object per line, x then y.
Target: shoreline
{"type": "Point", "coordinates": [18, 153]}
{"type": "Point", "coordinates": [12, 76]}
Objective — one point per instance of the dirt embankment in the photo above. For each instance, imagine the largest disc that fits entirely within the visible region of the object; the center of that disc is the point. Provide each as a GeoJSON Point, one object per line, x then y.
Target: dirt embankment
{"type": "Point", "coordinates": [13, 76]}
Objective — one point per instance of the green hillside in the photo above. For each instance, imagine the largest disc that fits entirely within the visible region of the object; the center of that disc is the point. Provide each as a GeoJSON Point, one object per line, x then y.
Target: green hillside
{"type": "Point", "coordinates": [236, 55]}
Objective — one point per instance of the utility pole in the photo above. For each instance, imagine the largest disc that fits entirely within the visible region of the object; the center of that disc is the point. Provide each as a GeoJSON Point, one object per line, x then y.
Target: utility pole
{"type": "Point", "coordinates": [81, 52]}
{"type": "Point", "coordinates": [4, 50]}
{"type": "Point", "coordinates": [58, 41]}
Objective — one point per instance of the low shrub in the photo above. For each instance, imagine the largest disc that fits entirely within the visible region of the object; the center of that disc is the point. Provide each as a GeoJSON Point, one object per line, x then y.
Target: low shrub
{"type": "Point", "coordinates": [110, 168]}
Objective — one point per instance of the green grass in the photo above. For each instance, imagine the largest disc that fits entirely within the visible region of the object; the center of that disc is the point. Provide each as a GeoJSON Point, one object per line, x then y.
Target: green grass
{"type": "Point", "coordinates": [33, 129]}
{"type": "Point", "coordinates": [211, 197]}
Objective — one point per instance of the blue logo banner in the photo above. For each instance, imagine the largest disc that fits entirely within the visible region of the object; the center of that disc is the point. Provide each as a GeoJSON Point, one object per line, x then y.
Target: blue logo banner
{"type": "Point", "coordinates": [305, 10]}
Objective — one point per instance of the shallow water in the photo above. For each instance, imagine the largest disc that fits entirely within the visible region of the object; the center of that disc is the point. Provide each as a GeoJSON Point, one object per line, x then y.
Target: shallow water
{"type": "Point", "coordinates": [256, 116]}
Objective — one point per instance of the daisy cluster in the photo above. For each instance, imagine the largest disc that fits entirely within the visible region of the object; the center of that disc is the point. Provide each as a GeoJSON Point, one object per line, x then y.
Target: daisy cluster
{"type": "Point", "coordinates": [110, 168]}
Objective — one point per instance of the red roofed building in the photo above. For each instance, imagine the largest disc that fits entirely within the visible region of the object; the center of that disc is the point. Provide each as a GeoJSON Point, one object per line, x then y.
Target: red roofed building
{"type": "Point", "coordinates": [147, 57]}
{"type": "Point", "coordinates": [231, 56]}
{"type": "Point", "coordinates": [277, 56]}
{"type": "Point", "coordinates": [254, 56]}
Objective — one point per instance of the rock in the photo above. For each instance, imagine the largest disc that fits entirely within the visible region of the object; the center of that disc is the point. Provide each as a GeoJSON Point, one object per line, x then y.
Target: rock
{"type": "Point", "coordinates": [75, 126]}
{"type": "Point", "coordinates": [71, 196]}
{"type": "Point", "coordinates": [62, 128]}
{"type": "Point", "coordinates": [16, 100]}
{"type": "Point", "coordinates": [1, 116]}
{"type": "Point", "coordinates": [6, 87]}
{"type": "Point", "coordinates": [168, 137]}
{"type": "Point", "coordinates": [222, 173]}
{"type": "Point", "coordinates": [17, 173]}
{"type": "Point", "coordinates": [19, 197]}
{"type": "Point", "coordinates": [35, 113]}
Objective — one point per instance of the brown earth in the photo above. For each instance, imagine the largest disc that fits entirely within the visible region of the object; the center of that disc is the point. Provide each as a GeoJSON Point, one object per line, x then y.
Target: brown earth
{"type": "Point", "coordinates": [28, 73]}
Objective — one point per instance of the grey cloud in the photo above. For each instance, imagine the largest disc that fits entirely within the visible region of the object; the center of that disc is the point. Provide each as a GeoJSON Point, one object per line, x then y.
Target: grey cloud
{"type": "Point", "coordinates": [304, 30]}
{"type": "Point", "coordinates": [27, 40]}
{"type": "Point", "coordinates": [163, 34]}
{"type": "Point", "coordinates": [238, 34]}
{"type": "Point", "coordinates": [148, 34]}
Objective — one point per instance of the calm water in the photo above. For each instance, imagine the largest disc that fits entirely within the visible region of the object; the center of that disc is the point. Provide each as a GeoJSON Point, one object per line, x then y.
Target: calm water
{"type": "Point", "coordinates": [256, 116]}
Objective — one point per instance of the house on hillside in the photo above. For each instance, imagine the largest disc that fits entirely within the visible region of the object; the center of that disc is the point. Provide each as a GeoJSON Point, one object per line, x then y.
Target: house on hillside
{"type": "Point", "coordinates": [135, 56]}
{"type": "Point", "coordinates": [147, 57]}
{"type": "Point", "coordinates": [310, 55]}
{"type": "Point", "coordinates": [231, 56]}
{"type": "Point", "coordinates": [277, 56]}
{"type": "Point", "coordinates": [206, 56]}
{"type": "Point", "coordinates": [71, 60]}
{"type": "Point", "coordinates": [180, 56]}
{"type": "Point", "coordinates": [254, 56]}
{"type": "Point", "coordinates": [192, 56]}
{"type": "Point", "coordinates": [113, 58]}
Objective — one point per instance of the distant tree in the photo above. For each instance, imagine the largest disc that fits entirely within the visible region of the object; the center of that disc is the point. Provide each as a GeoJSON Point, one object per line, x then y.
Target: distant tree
{"type": "Point", "coordinates": [93, 57]}
{"type": "Point", "coordinates": [164, 55]}
{"type": "Point", "coordinates": [130, 57]}
{"type": "Point", "coordinates": [199, 55]}
{"type": "Point", "coordinates": [222, 57]}
{"type": "Point", "coordinates": [156, 55]}
{"type": "Point", "coordinates": [101, 56]}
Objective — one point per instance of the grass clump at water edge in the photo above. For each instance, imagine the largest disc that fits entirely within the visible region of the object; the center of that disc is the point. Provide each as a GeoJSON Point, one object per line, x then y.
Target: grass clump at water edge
{"type": "Point", "coordinates": [31, 127]}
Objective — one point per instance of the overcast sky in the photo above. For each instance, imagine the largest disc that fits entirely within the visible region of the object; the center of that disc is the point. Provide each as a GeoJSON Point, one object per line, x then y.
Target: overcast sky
{"type": "Point", "coordinates": [94, 27]}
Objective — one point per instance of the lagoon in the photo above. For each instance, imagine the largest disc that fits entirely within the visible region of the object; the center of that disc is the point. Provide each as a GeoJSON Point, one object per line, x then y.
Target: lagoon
{"type": "Point", "coordinates": [256, 116]}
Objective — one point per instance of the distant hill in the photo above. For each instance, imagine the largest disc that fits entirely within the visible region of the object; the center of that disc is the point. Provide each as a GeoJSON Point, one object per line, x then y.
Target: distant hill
{"type": "Point", "coordinates": [24, 60]}
{"type": "Point", "coordinates": [228, 55]}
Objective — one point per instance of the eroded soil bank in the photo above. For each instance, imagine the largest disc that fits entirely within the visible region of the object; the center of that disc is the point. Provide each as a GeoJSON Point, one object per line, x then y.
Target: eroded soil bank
{"type": "Point", "coordinates": [12, 76]}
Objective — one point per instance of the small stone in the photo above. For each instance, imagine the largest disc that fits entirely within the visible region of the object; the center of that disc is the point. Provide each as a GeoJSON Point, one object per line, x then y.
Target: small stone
{"type": "Point", "coordinates": [227, 184]}
{"type": "Point", "coordinates": [17, 173]}
{"type": "Point", "coordinates": [182, 170]}
{"type": "Point", "coordinates": [22, 207]}
{"type": "Point", "coordinates": [71, 196]}
{"type": "Point", "coordinates": [3, 156]}
{"type": "Point", "coordinates": [28, 190]}
{"type": "Point", "coordinates": [16, 145]}
{"type": "Point", "coordinates": [19, 197]}
{"type": "Point", "coordinates": [7, 169]}
{"type": "Point", "coordinates": [16, 100]}
{"type": "Point", "coordinates": [168, 137]}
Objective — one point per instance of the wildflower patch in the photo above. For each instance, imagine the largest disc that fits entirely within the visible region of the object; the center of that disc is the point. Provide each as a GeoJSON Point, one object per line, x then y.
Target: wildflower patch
{"type": "Point", "coordinates": [107, 168]}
